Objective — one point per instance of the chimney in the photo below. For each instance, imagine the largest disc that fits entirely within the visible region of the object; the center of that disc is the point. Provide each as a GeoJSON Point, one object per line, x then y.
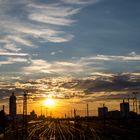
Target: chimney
{"type": "Point", "coordinates": [3, 107]}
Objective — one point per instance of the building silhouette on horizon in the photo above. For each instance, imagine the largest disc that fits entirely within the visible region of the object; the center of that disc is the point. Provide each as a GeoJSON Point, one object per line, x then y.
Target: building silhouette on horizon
{"type": "Point", "coordinates": [12, 105]}
{"type": "Point", "coordinates": [124, 109]}
{"type": "Point", "coordinates": [102, 111]}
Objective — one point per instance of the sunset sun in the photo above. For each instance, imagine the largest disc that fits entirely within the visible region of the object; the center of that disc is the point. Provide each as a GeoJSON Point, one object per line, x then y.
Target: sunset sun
{"type": "Point", "coordinates": [49, 102]}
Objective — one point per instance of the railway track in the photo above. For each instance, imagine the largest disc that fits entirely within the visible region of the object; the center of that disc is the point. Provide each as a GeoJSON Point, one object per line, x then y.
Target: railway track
{"type": "Point", "coordinates": [57, 130]}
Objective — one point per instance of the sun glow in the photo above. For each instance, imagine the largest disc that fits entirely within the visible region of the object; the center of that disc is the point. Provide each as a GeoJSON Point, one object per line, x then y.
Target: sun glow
{"type": "Point", "coordinates": [49, 103]}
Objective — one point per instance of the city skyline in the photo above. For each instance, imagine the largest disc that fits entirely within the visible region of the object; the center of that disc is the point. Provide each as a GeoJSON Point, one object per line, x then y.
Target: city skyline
{"type": "Point", "coordinates": [48, 108]}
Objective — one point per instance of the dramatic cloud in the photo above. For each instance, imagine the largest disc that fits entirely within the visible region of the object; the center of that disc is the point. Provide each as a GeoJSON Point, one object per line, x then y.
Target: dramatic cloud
{"type": "Point", "coordinates": [106, 83]}
{"type": "Point", "coordinates": [98, 88]}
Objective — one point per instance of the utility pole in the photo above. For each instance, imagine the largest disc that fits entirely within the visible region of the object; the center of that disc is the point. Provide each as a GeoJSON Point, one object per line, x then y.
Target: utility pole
{"type": "Point", "coordinates": [46, 112]}
{"type": "Point", "coordinates": [135, 100]}
{"type": "Point", "coordinates": [133, 104]}
{"type": "Point", "coordinates": [87, 111]}
{"type": "Point", "coordinates": [139, 107]}
{"type": "Point", "coordinates": [71, 113]}
{"type": "Point", "coordinates": [74, 113]}
{"type": "Point", "coordinates": [3, 108]}
{"type": "Point", "coordinates": [41, 111]}
{"type": "Point", "coordinates": [128, 99]}
{"type": "Point", "coordinates": [104, 119]}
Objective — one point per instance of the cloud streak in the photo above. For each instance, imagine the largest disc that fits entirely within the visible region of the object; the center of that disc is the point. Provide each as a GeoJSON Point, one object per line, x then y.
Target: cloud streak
{"type": "Point", "coordinates": [24, 20]}
{"type": "Point", "coordinates": [80, 2]}
{"type": "Point", "coordinates": [11, 60]}
{"type": "Point", "coordinates": [52, 14]}
{"type": "Point", "coordinates": [4, 52]}
{"type": "Point", "coordinates": [26, 25]}
{"type": "Point", "coordinates": [129, 57]}
{"type": "Point", "coordinates": [82, 66]}
{"type": "Point", "coordinates": [56, 67]}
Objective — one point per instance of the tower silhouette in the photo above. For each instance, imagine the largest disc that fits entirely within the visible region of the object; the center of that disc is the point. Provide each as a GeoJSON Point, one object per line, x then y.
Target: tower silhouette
{"type": "Point", "coordinates": [12, 105]}
{"type": "Point", "coordinates": [25, 123]}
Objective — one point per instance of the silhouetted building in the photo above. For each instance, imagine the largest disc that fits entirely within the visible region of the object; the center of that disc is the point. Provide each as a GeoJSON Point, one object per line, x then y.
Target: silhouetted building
{"type": "Point", "coordinates": [12, 105]}
{"type": "Point", "coordinates": [102, 111]}
{"type": "Point", "coordinates": [33, 115]}
{"type": "Point", "coordinates": [124, 109]}
{"type": "Point", "coordinates": [114, 114]}
{"type": "Point", "coordinates": [3, 120]}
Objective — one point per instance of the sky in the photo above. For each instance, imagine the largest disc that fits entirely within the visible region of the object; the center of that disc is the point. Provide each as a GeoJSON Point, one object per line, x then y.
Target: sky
{"type": "Point", "coordinates": [83, 46]}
